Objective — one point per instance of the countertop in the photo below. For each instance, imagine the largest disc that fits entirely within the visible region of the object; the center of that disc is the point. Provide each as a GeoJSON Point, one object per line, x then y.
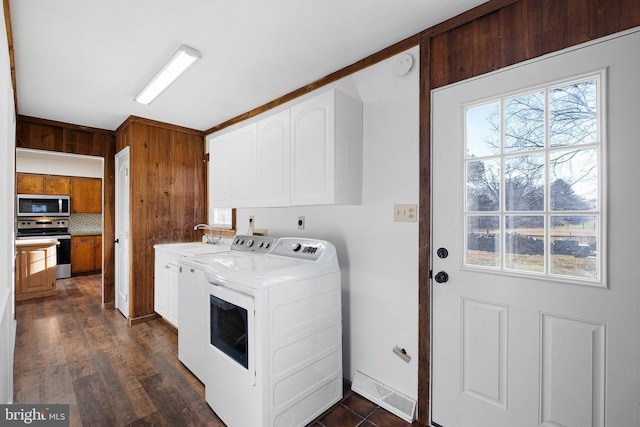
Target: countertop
{"type": "Point", "coordinates": [34, 242]}
{"type": "Point", "coordinates": [192, 248]}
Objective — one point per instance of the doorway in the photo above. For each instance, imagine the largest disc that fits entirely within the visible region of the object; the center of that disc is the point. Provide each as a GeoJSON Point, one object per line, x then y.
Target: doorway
{"type": "Point", "coordinates": [122, 231]}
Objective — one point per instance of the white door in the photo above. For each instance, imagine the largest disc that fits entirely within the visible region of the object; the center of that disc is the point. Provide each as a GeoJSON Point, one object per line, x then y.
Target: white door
{"type": "Point", "coordinates": [122, 231]}
{"type": "Point", "coordinates": [535, 200]}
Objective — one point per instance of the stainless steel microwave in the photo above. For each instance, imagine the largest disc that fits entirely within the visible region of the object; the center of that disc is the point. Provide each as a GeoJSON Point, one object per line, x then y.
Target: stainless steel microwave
{"type": "Point", "coordinates": [42, 205]}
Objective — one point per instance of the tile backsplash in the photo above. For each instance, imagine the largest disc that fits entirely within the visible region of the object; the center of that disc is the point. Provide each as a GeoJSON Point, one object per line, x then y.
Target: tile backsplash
{"type": "Point", "coordinates": [85, 223]}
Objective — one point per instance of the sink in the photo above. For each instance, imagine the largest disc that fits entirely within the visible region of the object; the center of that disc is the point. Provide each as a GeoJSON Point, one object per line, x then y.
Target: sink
{"type": "Point", "coordinates": [191, 248]}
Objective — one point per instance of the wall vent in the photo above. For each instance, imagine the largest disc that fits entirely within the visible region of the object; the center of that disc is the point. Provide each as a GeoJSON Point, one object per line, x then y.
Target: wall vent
{"type": "Point", "coordinates": [387, 398]}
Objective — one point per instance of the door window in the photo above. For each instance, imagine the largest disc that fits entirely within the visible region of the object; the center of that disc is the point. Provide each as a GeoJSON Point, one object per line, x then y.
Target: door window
{"type": "Point", "coordinates": [533, 180]}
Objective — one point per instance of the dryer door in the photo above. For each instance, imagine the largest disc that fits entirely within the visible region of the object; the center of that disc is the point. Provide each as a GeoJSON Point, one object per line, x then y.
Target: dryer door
{"type": "Point", "coordinates": [232, 331]}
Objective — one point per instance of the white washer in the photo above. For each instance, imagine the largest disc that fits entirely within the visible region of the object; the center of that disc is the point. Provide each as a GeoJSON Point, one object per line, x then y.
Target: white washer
{"type": "Point", "coordinates": [275, 333]}
{"type": "Point", "coordinates": [193, 307]}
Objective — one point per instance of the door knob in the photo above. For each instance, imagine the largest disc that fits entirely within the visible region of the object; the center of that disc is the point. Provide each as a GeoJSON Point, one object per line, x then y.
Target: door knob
{"type": "Point", "coordinates": [117, 241]}
{"type": "Point", "coordinates": [442, 277]}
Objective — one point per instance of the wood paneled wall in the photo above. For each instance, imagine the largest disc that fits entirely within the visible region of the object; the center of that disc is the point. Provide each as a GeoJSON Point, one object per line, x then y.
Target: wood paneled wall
{"type": "Point", "coordinates": [167, 197]}
{"type": "Point", "coordinates": [494, 35]}
{"type": "Point", "coordinates": [40, 134]}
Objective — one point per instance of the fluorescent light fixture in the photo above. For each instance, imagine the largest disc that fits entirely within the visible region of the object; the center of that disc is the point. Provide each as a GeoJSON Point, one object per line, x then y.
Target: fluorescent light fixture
{"type": "Point", "coordinates": [178, 64]}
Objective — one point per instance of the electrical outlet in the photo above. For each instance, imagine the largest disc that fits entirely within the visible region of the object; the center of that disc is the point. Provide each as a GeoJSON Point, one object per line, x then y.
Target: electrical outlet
{"type": "Point", "coordinates": [405, 213]}
{"type": "Point", "coordinates": [301, 223]}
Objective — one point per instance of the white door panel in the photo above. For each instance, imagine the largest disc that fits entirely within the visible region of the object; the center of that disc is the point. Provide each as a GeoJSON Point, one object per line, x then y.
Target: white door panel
{"type": "Point", "coordinates": [524, 350]}
{"type": "Point", "coordinates": [122, 231]}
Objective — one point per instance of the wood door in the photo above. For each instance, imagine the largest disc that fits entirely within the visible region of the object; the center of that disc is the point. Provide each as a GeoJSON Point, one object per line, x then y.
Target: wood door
{"type": "Point", "coordinates": [535, 321]}
{"type": "Point", "coordinates": [82, 254]}
{"type": "Point", "coordinates": [86, 195]}
{"type": "Point", "coordinates": [27, 183]}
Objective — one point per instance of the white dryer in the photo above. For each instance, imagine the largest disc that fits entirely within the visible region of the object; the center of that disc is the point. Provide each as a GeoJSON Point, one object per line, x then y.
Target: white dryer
{"type": "Point", "coordinates": [275, 332]}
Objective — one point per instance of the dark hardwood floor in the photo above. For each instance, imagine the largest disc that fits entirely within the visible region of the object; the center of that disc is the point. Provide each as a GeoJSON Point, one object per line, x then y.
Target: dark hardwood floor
{"type": "Point", "coordinates": [69, 350]}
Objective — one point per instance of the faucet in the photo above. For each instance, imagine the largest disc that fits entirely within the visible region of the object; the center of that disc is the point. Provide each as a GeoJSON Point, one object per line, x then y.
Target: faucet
{"type": "Point", "coordinates": [211, 239]}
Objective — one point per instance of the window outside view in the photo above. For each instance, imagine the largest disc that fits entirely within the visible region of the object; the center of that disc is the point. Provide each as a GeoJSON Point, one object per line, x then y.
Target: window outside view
{"type": "Point", "coordinates": [533, 179]}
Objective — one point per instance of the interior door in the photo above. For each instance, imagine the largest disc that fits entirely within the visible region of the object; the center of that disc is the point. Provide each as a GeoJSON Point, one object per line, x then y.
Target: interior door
{"type": "Point", "coordinates": [122, 231]}
{"type": "Point", "coordinates": [535, 300]}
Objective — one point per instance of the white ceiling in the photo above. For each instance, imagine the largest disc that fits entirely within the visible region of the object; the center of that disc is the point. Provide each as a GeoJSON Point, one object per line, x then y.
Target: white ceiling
{"type": "Point", "coordinates": [82, 62]}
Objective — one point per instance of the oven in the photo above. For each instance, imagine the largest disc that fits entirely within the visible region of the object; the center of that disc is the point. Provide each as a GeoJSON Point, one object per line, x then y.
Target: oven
{"type": "Point", "coordinates": [50, 227]}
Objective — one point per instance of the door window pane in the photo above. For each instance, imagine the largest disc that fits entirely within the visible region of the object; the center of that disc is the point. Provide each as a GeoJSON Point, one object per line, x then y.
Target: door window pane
{"type": "Point", "coordinates": [574, 180]}
{"type": "Point", "coordinates": [483, 130]}
{"type": "Point", "coordinates": [483, 240]}
{"type": "Point", "coordinates": [524, 243]}
{"type": "Point", "coordinates": [574, 246]}
{"type": "Point", "coordinates": [524, 123]}
{"type": "Point", "coordinates": [573, 117]}
{"type": "Point", "coordinates": [483, 185]}
{"type": "Point", "coordinates": [524, 183]}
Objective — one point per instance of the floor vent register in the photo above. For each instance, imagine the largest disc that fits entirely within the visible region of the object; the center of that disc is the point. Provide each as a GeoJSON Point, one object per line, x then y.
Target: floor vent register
{"type": "Point", "coordinates": [387, 398]}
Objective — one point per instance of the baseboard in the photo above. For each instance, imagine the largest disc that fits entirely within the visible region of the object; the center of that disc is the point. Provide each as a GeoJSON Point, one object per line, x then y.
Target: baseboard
{"type": "Point", "coordinates": [142, 319]}
{"type": "Point", "coordinates": [109, 305]}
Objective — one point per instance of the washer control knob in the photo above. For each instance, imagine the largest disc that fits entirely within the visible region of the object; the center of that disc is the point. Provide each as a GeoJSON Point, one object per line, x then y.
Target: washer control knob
{"type": "Point", "coordinates": [296, 247]}
{"type": "Point", "coordinates": [249, 242]}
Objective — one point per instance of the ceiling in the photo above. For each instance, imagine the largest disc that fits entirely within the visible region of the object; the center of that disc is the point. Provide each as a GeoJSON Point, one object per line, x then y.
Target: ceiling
{"type": "Point", "coordinates": [82, 62]}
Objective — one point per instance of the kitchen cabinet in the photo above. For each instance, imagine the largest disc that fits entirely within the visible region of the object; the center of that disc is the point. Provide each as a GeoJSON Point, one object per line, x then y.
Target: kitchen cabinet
{"type": "Point", "coordinates": [326, 150]}
{"type": "Point", "coordinates": [27, 183]}
{"type": "Point", "coordinates": [309, 154]}
{"type": "Point", "coordinates": [273, 160]}
{"type": "Point", "coordinates": [86, 195]}
{"type": "Point", "coordinates": [35, 269]}
{"type": "Point", "coordinates": [165, 297]}
{"type": "Point", "coordinates": [86, 254]}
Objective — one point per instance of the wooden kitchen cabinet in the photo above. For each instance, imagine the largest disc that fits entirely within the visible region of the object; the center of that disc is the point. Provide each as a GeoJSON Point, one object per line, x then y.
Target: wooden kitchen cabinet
{"type": "Point", "coordinates": [86, 195]}
{"type": "Point", "coordinates": [30, 183]}
{"type": "Point", "coordinates": [86, 254]}
{"type": "Point", "coordinates": [35, 270]}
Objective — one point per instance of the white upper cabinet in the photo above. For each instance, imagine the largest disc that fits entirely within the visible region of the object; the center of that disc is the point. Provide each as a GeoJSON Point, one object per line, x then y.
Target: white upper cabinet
{"type": "Point", "coordinates": [326, 150]}
{"type": "Point", "coordinates": [220, 170]}
{"type": "Point", "coordinates": [273, 160]}
{"type": "Point", "coordinates": [244, 173]}
{"type": "Point", "coordinates": [309, 154]}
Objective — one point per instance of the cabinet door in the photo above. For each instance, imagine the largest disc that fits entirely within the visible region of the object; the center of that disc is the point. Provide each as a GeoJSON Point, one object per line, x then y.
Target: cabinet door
{"type": "Point", "coordinates": [82, 254]}
{"type": "Point", "coordinates": [220, 171]}
{"type": "Point", "coordinates": [37, 269]}
{"type": "Point", "coordinates": [312, 151]}
{"type": "Point", "coordinates": [57, 185]}
{"type": "Point", "coordinates": [86, 195]}
{"type": "Point", "coordinates": [27, 183]}
{"type": "Point", "coordinates": [244, 175]}
{"type": "Point", "coordinates": [161, 287]}
{"type": "Point", "coordinates": [172, 291]}
{"type": "Point", "coordinates": [97, 259]}
{"type": "Point", "coordinates": [273, 160]}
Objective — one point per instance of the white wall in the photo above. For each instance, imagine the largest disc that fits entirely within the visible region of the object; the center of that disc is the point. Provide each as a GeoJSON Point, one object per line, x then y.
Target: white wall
{"type": "Point", "coordinates": [53, 163]}
{"type": "Point", "coordinates": [378, 257]}
{"type": "Point", "coordinates": [7, 191]}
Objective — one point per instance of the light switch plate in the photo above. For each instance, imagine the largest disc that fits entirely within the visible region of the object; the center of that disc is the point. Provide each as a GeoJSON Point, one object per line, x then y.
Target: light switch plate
{"type": "Point", "coordinates": [405, 213]}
